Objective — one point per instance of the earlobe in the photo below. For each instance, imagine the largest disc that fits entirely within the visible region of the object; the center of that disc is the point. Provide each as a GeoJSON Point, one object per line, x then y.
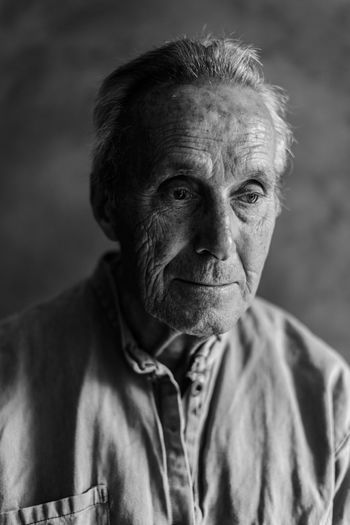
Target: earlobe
{"type": "Point", "coordinates": [278, 208]}
{"type": "Point", "coordinates": [278, 203]}
{"type": "Point", "coordinates": [108, 228]}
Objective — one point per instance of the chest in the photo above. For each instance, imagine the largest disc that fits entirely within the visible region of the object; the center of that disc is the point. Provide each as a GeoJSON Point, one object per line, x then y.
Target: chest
{"type": "Point", "coordinates": [146, 455]}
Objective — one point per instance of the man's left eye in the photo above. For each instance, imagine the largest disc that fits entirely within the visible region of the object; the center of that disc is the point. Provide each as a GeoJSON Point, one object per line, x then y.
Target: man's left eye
{"type": "Point", "coordinates": [249, 197]}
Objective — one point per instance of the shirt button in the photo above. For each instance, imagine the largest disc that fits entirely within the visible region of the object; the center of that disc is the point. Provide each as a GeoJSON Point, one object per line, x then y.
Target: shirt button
{"type": "Point", "coordinates": [197, 389]}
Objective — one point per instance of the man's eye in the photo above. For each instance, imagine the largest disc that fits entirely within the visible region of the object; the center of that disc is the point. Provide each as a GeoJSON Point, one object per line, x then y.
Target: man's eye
{"type": "Point", "coordinates": [249, 197]}
{"type": "Point", "coordinates": [181, 194]}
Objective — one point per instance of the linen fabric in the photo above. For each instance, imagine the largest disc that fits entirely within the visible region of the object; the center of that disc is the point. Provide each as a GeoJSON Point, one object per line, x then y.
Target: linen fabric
{"type": "Point", "coordinates": [94, 430]}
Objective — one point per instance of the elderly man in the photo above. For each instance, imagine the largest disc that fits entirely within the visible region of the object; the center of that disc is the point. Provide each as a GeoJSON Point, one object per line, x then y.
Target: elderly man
{"type": "Point", "coordinates": [159, 391]}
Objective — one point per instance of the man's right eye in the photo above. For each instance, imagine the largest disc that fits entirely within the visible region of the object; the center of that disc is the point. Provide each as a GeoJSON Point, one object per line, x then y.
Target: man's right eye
{"type": "Point", "coordinates": [181, 194]}
{"type": "Point", "coordinates": [178, 190]}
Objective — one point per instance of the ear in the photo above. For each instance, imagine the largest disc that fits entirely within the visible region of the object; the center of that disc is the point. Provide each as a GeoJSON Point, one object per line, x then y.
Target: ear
{"type": "Point", "coordinates": [278, 206]}
{"type": "Point", "coordinates": [104, 209]}
{"type": "Point", "coordinates": [278, 200]}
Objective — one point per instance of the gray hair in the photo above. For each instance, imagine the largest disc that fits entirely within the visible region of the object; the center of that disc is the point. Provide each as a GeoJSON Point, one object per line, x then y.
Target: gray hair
{"type": "Point", "coordinates": [178, 62]}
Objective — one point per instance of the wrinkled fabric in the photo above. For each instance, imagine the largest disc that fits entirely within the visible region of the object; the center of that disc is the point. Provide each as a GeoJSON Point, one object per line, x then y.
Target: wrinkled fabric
{"type": "Point", "coordinates": [93, 430]}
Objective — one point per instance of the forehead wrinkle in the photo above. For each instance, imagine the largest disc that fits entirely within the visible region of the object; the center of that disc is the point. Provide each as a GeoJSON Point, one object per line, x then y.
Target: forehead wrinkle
{"type": "Point", "coordinates": [255, 155]}
{"type": "Point", "coordinates": [193, 134]}
{"type": "Point", "coordinates": [234, 159]}
{"type": "Point", "coordinates": [176, 131]}
{"type": "Point", "coordinates": [251, 138]}
{"type": "Point", "coordinates": [186, 129]}
{"type": "Point", "coordinates": [187, 159]}
{"type": "Point", "coordinates": [246, 156]}
{"type": "Point", "coordinates": [244, 149]}
{"type": "Point", "coordinates": [178, 141]}
{"type": "Point", "coordinates": [171, 151]}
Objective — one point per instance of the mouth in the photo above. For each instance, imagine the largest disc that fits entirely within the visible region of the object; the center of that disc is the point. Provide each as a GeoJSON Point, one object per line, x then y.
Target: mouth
{"type": "Point", "coordinates": [206, 284]}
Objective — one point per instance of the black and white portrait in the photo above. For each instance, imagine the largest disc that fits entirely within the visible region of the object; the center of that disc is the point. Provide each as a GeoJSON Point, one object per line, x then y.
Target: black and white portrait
{"type": "Point", "coordinates": [174, 224]}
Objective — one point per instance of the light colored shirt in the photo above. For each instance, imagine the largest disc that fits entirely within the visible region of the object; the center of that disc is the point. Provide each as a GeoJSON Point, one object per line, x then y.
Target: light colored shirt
{"type": "Point", "coordinates": [94, 431]}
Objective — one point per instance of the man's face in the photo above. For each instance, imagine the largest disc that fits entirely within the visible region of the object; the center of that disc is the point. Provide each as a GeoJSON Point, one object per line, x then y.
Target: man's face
{"type": "Point", "coordinates": [198, 206]}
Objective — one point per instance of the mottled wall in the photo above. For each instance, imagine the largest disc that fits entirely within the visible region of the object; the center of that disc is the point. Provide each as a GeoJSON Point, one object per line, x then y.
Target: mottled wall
{"type": "Point", "coordinates": [53, 56]}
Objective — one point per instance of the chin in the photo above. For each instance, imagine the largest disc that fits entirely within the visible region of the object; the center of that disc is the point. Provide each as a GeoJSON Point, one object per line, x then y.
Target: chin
{"type": "Point", "coordinates": [200, 321]}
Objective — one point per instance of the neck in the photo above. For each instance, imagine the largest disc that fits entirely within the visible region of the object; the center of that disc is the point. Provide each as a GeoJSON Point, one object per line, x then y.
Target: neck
{"type": "Point", "coordinates": [170, 347]}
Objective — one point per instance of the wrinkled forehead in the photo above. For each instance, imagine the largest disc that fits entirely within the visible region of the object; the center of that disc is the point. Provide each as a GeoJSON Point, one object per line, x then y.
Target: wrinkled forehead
{"type": "Point", "coordinates": [221, 110]}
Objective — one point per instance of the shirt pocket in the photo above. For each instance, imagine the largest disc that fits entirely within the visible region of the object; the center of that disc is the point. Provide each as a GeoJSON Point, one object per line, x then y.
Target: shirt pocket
{"type": "Point", "coordinates": [89, 508]}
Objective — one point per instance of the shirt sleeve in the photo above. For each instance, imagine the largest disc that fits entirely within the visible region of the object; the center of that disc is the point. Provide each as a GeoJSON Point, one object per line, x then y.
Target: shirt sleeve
{"type": "Point", "coordinates": [341, 500]}
{"type": "Point", "coordinates": [341, 504]}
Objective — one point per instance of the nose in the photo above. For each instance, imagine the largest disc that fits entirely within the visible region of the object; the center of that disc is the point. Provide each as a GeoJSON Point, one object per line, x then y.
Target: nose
{"type": "Point", "coordinates": [216, 232]}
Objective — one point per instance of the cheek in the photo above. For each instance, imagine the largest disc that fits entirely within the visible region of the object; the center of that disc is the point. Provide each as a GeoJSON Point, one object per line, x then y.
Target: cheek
{"type": "Point", "coordinates": [157, 240]}
{"type": "Point", "coordinates": [255, 245]}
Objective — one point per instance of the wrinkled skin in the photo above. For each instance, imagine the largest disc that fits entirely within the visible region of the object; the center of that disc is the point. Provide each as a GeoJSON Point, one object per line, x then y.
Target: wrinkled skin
{"type": "Point", "coordinates": [198, 207]}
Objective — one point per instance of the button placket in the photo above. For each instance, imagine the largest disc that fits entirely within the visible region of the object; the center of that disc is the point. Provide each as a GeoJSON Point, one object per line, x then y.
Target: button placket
{"type": "Point", "coordinates": [193, 419]}
{"type": "Point", "coordinates": [199, 374]}
{"type": "Point", "coordinates": [180, 483]}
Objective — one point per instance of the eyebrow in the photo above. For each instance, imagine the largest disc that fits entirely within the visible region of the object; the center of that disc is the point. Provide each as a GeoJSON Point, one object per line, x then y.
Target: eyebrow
{"type": "Point", "coordinates": [193, 165]}
{"type": "Point", "coordinates": [184, 166]}
{"type": "Point", "coordinates": [259, 175]}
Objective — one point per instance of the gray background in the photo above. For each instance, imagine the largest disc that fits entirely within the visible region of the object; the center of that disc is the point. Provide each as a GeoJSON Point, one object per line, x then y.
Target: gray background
{"type": "Point", "coordinates": [53, 57]}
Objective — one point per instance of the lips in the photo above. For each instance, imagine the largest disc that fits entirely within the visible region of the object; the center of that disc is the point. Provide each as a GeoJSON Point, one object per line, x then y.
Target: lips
{"type": "Point", "coordinates": [207, 284]}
